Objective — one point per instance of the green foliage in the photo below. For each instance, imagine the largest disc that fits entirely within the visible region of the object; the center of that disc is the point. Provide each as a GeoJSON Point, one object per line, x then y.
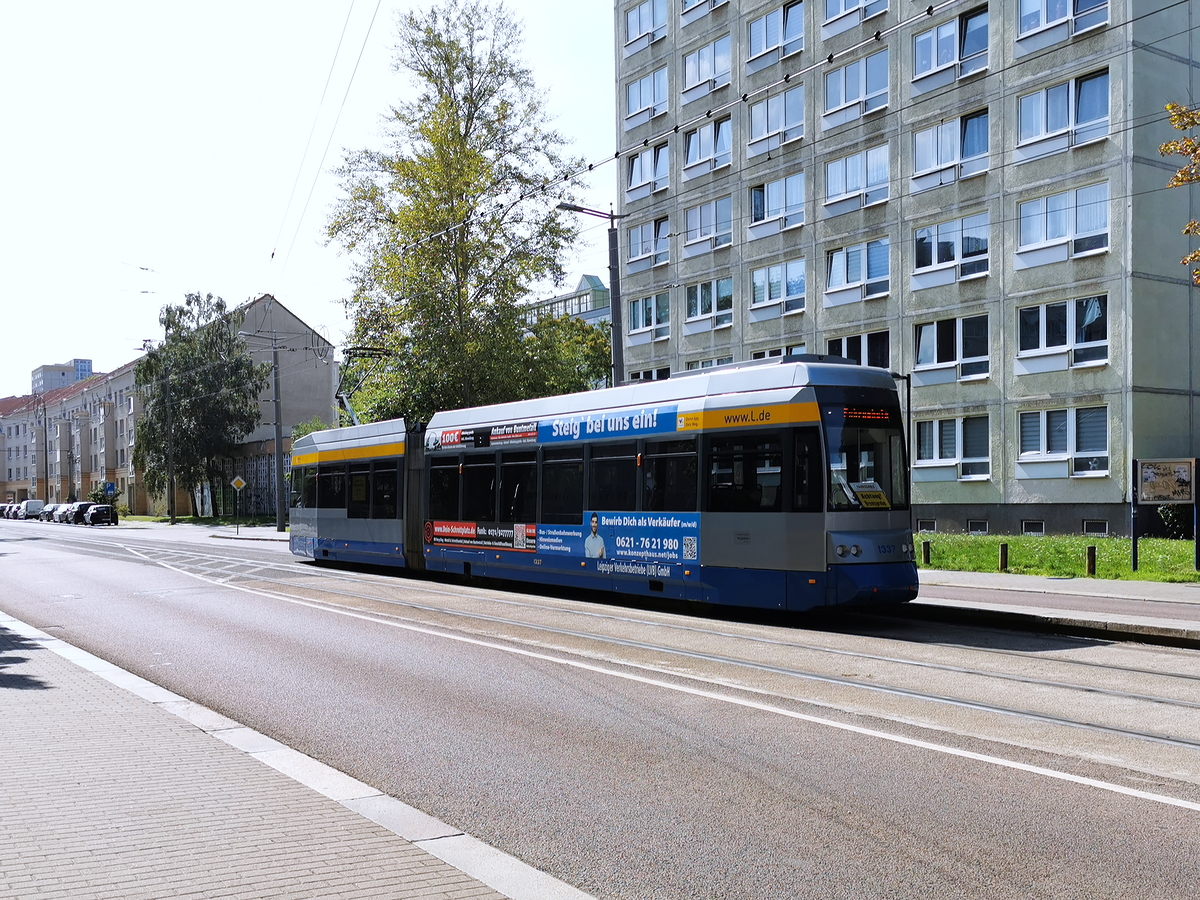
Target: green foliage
{"type": "Point", "coordinates": [454, 222]}
{"type": "Point", "coordinates": [1177, 520]}
{"type": "Point", "coordinates": [212, 384]}
{"type": "Point", "coordinates": [308, 427]}
{"type": "Point", "coordinates": [97, 495]}
{"type": "Point", "coordinates": [1185, 118]}
{"type": "Point", "coordinates": [1062, 556]}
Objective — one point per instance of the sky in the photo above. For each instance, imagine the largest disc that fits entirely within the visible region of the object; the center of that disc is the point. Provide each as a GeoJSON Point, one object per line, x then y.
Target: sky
{"type": "Point", "coordinates": [151, 149]}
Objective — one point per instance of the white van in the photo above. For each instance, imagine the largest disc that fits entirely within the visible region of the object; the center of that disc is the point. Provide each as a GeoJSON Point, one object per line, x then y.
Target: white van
{"type": "Point", "coordinates": [30, 509]}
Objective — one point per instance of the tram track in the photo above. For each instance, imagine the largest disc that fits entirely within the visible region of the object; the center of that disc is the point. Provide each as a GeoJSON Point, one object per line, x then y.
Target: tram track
{"type": "Point", "coordinates": [370, 594]}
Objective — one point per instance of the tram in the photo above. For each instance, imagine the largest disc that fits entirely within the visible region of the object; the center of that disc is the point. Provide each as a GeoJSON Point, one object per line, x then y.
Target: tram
{"type": "Point", "coordinates": [780, 484]}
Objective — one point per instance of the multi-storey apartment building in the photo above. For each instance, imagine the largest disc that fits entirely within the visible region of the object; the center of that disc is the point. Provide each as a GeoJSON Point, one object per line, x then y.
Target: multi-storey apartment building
{"type": "Point", "coordinates": [61, 443]}
{"type": "Point", "coordinates": [968, 194]}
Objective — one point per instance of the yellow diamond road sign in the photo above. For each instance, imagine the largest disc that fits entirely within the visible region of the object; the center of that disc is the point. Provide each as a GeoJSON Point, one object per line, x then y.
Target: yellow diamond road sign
{"type": "Point", "coordinates": [238, 482]}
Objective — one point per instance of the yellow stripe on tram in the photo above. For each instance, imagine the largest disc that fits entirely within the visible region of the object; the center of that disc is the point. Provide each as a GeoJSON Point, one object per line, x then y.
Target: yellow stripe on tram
{"type": "Point", "coordinates": [748, 416]}
{"type": "Point", "coordinates": [350, 453]}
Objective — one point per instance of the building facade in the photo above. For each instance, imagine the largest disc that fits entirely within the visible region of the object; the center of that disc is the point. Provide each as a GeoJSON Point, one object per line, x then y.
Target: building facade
{"type": "Point", "coordinates": [968, 194]}
{"type": "Point", "coordinates": [589, 302]}
{"type": "Point", "coordinates": [62, 443]}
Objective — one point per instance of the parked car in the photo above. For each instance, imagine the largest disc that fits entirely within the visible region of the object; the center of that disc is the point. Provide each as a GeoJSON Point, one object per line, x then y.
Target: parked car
{"type": "Point", "coordinates": [29, 509]}
{"type": "Point", "coordinates": [47, 513]}
{"type": "Point", "coordinates": [100, 514]}
{"type": "Point", "coordinates": [77, 511]}
{"type": "Point", "coordinates": [62, 513]}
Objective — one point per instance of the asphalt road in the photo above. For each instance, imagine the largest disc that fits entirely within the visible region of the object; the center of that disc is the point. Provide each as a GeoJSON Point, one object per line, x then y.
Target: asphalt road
{"type": "Point", "coordinates": [649, 754]}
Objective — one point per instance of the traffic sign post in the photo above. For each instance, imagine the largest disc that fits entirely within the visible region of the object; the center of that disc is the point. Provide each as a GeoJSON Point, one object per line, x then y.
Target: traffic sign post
{"type": "Point", "coordinates": [237, 484]}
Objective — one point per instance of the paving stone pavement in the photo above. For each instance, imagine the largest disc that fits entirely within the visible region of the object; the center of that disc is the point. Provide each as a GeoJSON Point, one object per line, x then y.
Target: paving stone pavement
{"type": "Point", "coordinates": [106, 795]}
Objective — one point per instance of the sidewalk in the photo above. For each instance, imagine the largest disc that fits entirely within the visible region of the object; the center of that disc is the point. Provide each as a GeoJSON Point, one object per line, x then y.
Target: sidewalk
{"type": "Point", "coordinates": [1161, 612]}
{"type": "Point", "coordinates": [116, 788]}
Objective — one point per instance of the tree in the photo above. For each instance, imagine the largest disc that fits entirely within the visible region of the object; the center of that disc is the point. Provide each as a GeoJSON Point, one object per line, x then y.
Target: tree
{"type": "Point", "coordinates": [316, 423]}
{"type": "Point", "coordinates": [203, 370]}
{"type": "Point", "coordinates": [454, 222]}
{"type": "Point", "coordinates": [1185, 118]}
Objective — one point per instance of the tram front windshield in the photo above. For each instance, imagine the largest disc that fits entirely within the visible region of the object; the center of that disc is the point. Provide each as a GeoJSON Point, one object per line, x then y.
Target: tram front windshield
{"type": "Point", "coordinates": [867, 468]}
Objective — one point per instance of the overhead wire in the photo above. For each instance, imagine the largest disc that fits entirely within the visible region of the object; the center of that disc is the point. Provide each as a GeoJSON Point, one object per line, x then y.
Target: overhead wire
{"type": "Point", "coordinates": [316, 118]}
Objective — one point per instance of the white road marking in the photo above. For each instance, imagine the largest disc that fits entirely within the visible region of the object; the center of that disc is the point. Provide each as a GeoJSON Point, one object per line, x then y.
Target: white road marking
{"type": "Point", "coordinates": [707, 694]}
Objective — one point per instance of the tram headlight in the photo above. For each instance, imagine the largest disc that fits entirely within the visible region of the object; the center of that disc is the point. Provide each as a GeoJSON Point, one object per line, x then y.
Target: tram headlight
{"type": "Point", "coordinates": [855, 549]}
{"type": "Point", "coordinates": [840, 549]}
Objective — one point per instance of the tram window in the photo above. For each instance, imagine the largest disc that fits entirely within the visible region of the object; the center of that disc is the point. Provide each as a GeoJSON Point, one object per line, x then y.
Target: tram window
{"type": "Point", "coordinates": [331, 487]}
{"type": "Point", "coordinates": [308, 488]}
{"type": "Point", "coordinates": [562, 486]}
{"type": "Point", "coordinates": [612, 478]}
{"type": "Point", "coordinates": [479, 489]}
{"type": "Point", "coordinates": [443, 488]}
{"type": "Point", "coordinates": [518, 487]}
{"type": "Point", "coordinates": [358, 500]}
{"type": "Point", "coordinates": [864, 457]}
{"type": "Point", "coordinates": [809, 475]}
{"type": "Point", "coordinates": [298, 481]}
{"type": "Point", "coordinates": [669, 476]}
{"type": "Point", "coordinates": [384, 494]}
{"type": "Point", "coordinates": [744, 474]}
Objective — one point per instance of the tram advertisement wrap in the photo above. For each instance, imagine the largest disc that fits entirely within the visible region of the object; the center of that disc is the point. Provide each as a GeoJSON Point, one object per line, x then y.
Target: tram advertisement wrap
{"type": "Point", "coordinates": [661, 537]}
{"type": "Point", "coordinates": [616, 537]}
{"type": "Point", "coordinates": [489, 535]}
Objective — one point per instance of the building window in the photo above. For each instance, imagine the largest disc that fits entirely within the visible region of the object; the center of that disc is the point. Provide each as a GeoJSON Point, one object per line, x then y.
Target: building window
{"type": "Point", "coordinates": [707, 67]}
{"type": "Point", "coordinates": [1077, 327]}
{"type": "Point", "coordinates": [962, 442]}
{"type": "Point", "coordinates": [767, 354]}
{"type": "Point", "coordinates": [651, 374]}
{"type": "Point", "coordinates": [646, 20]}
{"type": "Point", "coordinates": [977, 526]}
{"type": "Point", "coordinates": [650, 169]}
{"type": "Point", "coordinates": [877, 344]}
{"type": "Point", "coordinates": [863, 265]}
{"type": "Point", "coordinates": [1073, 112]}
{"type": "Point", "coordinates": [1039, 14]}
{"type": "Point", "coordinates": [927, 525]}
{"type": "Point", "coordinates": [781, 29]}
{"type": "Point", "coordinates": [650, 244]}
{"type": "Point", "coordinates": [856, 89]}
{"type": "Point", "coordinates": [651, 314]}
{"type": "Point", "coordinates": [1075, 221]}
{"type": "Point", "coordinates": [1079, 435]}
{"type": "Point", "coordinates": [1097, 527]}
{"type": "Point", "coordinates": [776, 120]}
{"type": "Point", "coordinates": [956, 148]}
{"type": "Point", "coordinates": [708, 147]}
{"type": "Point", "coordinates": [648, 96]}
{"type": "Point", "coordinates": [780, 199]}
{"type": "Point", "coordinates": [1033, 526]}
{"type": "Point", "coordinates": [954, 342]}
{"type": "Point", "coordinates": [783, 282]}
{"type": "Point", "coordinates": [709, 363]}
{"type": "Point", "coordinates": [860, 177]}
{"type": "Point", "coordinates": [711, 298]}
{"type": "Point", "coordinates": [839, 18]}
{"type": "Point", "coordinates": [962, 41]}
{"type": "Point", "coordinates": [959, 248]}
{"type": "Point", "coordinates": [711, 222]}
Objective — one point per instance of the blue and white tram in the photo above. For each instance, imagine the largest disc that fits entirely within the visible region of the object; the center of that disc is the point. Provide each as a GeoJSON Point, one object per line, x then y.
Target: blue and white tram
{"type": "Point", "coordinates": [780, 485]}
{"type": "Point", "coordinates": [347, 490]}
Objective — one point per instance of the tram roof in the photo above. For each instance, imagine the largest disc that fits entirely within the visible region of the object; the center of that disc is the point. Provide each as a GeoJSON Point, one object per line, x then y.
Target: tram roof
{"type": "Point", "coordinates": [351, 435]}
{"type": "Point", "coordinates": [726, 381]}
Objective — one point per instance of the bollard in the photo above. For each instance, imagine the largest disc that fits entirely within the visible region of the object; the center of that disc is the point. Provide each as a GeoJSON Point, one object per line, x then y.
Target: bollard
{"type": "Point", "coordinates": [1091, 562]}
{"type": "Point", "coordinates": [924, 553]}
{"type": "Point", "coordinates": [1004, 557]}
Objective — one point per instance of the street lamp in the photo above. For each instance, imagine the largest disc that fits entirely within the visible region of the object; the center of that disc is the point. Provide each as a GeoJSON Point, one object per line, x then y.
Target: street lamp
{"type": "Point", "coordinates": [614, 284]}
